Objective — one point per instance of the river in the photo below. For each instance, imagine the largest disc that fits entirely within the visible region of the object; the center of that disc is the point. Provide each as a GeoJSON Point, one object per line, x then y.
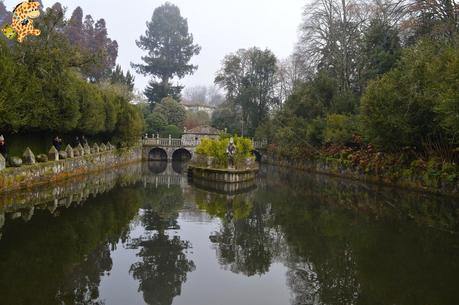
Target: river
{"type": "Point", "coordinates": [145, 234]}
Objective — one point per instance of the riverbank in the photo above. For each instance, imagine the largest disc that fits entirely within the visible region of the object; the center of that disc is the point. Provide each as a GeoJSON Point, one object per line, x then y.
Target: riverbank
{"type": "Point", "coordinates": [417, 178]}
{"type": "Point", "coordinates": [14, 178]}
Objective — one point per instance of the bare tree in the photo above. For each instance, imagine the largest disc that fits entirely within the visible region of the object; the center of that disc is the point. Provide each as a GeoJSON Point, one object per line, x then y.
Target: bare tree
{"type": "Point", "coordinates": [438, 19]}
{"type": "Point", "coordinates": [195, 95]}
{"type": "Point", "coordinates": [203, 95]}
{"type": "Point", "coordinates": [290, 73]}
{"type": "Point", "coordinates": [330, 37]}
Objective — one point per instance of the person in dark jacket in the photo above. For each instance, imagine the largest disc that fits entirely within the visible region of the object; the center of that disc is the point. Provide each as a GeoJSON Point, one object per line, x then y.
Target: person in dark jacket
{"type": "Point", "coordinates": [3, 148]}
{"type": "Point", "coordinates": [57, 142]}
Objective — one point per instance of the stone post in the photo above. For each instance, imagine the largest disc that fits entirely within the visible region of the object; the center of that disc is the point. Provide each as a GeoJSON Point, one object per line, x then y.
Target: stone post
{"type": "Point", "coordinates": [87, 149]}
{"type": "Point", "coordinates": [2, 162]}
{"type": "Point", "coordinates": [170, 140]}
{"type": "Point", "coordinates": [95, 148]}
{"type": "Point", "coordinates": [69, 151]}
{"type": "Point", "coordinates": [81, 149]}
{"type": "Point", "coordinates": [63, 155]}
{"type": "Point", "coordinates": [103, 147]}
{"type": "Point", "coordinates": [28, 157]}
{"type": "Point", "coordinates": [53, 154]}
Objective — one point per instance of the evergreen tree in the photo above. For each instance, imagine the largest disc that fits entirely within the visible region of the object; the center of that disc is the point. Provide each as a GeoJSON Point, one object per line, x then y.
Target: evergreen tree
{"type": "Point", "coordinates": [380, 50]}
{"type": "Point", "coordinates": [170, 48]}
{"type": "Point", "coordinates": [117, 77]}
{"type": "Point", "coordinates": [97, 43]}
{"type": "Point", "coordinates": [74, 29]}
{"type": "Point", "coordinates": [5, 15]}
{"type": "Point", "coordinates": [88, 30]}
{"type": "Point", "coordinates": [156, 91]}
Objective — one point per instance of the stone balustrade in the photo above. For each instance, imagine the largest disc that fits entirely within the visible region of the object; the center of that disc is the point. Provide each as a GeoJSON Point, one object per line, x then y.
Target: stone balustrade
{"type": "Point", "coordinates": [178, 142]}
{"type": "Point", "coordinates": [25, 176]}
{"type": "Point", "coordinates": [28, 157]}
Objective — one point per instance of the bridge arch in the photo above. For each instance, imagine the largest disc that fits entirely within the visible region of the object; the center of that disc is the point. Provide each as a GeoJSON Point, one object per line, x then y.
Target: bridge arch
{"type": "Point", "coordinates": [157, 154]}
{"type": "Point", "coordinates": [157, 167]}
{"type": "Point", "coordinates": [181, 154]}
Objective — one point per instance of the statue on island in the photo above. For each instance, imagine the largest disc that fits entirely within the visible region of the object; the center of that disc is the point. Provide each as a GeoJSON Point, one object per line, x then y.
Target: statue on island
{"type": "Point", "coordinates": [231, 151]}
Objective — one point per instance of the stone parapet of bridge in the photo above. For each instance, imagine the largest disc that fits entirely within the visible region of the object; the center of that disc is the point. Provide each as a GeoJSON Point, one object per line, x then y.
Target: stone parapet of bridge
{"type": "Point", "coordinates": [171, 145]}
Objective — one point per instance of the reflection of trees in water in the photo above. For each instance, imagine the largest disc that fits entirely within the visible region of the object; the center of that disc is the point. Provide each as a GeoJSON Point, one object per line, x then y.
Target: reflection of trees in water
{"type": "Point", "coordinates": [163, 267]}
{"type": "Point", "coordinates": [245, 242]}
{"type": "Point", "coordinates": [164, 201]}
{"type": "Point", "coordinates": [321, 259]}
{"type": "Point", "coordinates": [82, 284]}
{"type": "Point", "coordinates": [346, 248]}
{"type": "Point", "coordinates": [60, 260]}
{"type": "Point", "coordinates": [336, 251]}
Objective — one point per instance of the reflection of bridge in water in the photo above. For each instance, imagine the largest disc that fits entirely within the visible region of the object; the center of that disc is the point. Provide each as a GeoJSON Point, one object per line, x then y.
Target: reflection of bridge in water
{"type": "Point", "coordinates": [166, 173]}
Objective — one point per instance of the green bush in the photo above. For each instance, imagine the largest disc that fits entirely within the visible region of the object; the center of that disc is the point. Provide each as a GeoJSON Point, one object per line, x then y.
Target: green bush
{"type": "Point", "coordinates": [155, 123]}
{"type": "Point", "coordinates": [171, 130]}
{"type": "Point", "coordinates": [405, 106]}
{"type": "Point", "coordinates": [339, 128]}
{"type": "Point", "coordinates": [216, 148]}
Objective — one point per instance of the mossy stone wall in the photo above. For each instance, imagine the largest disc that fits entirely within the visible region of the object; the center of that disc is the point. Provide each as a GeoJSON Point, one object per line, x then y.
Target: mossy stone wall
{"type": "Point", "coordinates": [14, 178]}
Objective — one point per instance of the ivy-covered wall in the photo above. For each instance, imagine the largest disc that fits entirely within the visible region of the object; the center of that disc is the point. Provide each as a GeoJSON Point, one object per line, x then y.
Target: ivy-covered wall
{"type": "Point", "coordinates": [422, 179]}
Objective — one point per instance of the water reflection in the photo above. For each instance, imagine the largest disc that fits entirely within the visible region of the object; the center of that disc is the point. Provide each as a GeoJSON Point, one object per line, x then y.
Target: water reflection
{"type": "Point", "coordinates": [163, 258]}
{"type": "Point", "coordinates": [167, 167]}
{"type": "Point", "coordinates": [157, 167]}
{"type": "Point", "coordinates": [335, 242]}
{"type": "Point", "coordinates": [245, 241]}
{"type": "Point", "coordinates": [163, 267]}
{"type": "Point", "coordinates": [224, 187]}
{"type": "Point", "coordinates": [61, 259]}
{"type": "Point", "coordinates": [82, 285]}
{"type": "Point", "coordinates": [179, 167]}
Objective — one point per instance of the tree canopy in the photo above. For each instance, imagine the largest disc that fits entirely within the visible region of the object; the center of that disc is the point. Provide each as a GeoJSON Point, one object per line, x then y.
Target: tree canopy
{"type": "Point", "coordinates": [249, 77]}
{"type": "Point", "coordinates": [46, 84]}
{"type": "Point", "coordinates": [170, 48]}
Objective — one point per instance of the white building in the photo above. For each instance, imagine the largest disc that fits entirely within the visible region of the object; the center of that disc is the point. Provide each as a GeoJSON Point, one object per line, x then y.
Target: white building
{"type": "Point", "coordinates": [199, 107]}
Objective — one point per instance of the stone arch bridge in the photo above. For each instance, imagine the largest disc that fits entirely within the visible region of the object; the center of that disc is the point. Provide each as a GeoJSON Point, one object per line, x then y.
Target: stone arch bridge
{"type": "Point", "coordinates": [161, 149]}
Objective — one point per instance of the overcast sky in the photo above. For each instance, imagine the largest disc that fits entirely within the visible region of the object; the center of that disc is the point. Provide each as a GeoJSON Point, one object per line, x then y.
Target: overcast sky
{"type": "Point", "coordinates": [219, 26]}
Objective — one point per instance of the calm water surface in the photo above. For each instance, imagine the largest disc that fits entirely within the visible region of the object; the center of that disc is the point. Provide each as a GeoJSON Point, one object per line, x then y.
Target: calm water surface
{"type": "Point", "coordinates": [144, 234]}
